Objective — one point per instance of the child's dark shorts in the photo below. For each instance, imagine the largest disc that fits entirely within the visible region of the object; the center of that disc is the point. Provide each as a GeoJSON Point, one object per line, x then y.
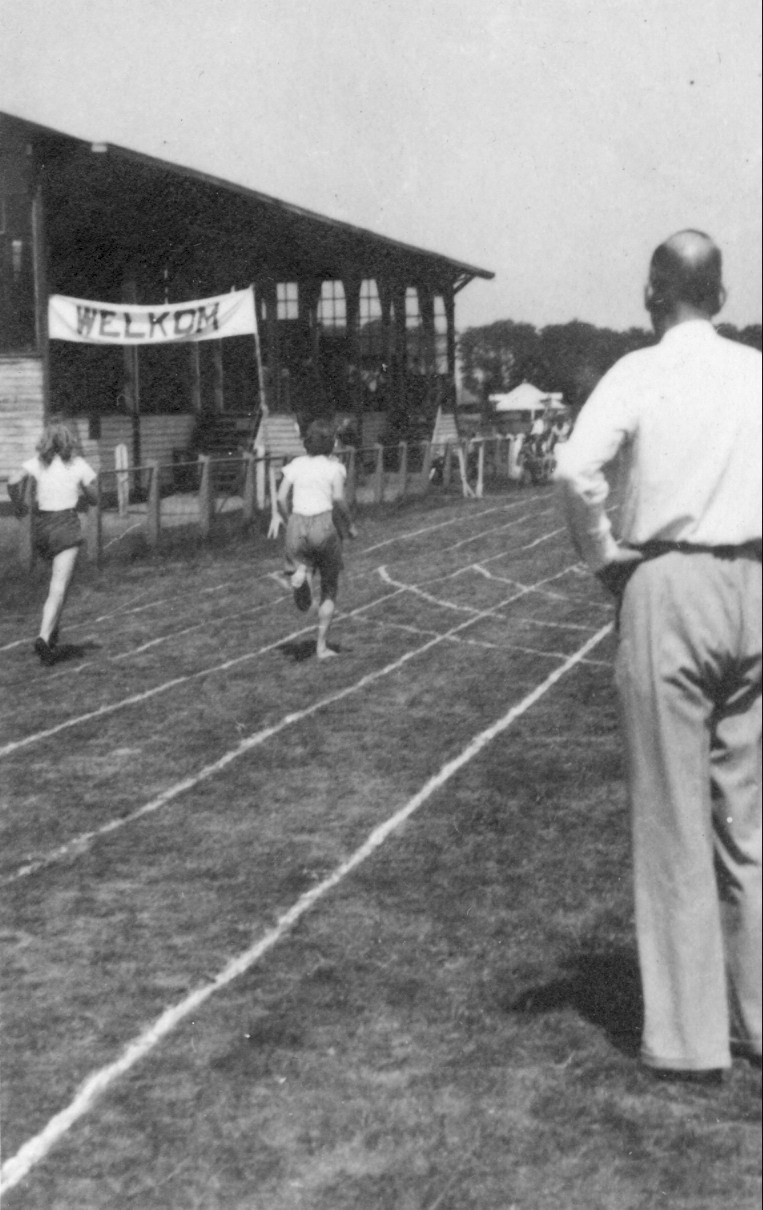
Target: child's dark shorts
{"type": "Point", "coordinates": [315, 541]}
{"type": "Point", "coordinates": [56, 531]}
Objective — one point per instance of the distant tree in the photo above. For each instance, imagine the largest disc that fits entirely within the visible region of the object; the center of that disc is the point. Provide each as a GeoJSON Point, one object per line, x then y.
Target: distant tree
{"type": "Point", "coordinates": [751, 335]}
{"type": "Point", "coordinates": [570, 357]}
{"type": "Point", "coordinates": [498, 356]}
{"type": "Point", "coordinates": [578, 354]}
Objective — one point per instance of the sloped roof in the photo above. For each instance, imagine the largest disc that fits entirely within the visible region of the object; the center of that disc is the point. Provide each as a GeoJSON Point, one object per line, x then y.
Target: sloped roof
{"type": "Point", "coordinates": [320, 241]}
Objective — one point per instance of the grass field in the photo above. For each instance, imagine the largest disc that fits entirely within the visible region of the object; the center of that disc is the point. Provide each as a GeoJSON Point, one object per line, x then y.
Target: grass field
{"type": "Point", "coordinates": [283, 935]}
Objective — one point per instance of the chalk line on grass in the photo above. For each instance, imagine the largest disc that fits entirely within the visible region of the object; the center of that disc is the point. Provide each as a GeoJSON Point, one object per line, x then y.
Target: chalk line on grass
{"type": "Point", "coordinates": [81, 843]}
{"type": "Point", "coordinates": [429, 529]}
{"type": "Point", "coordinates": [34, 1150]}
{"type": "Point", "coordinates": [104, 711]}
{"type": "Point", "coordinates": [503, 647]}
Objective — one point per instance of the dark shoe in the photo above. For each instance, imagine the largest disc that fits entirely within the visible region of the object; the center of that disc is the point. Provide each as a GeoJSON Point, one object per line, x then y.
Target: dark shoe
{"type": "Point", "coordinates": [53, 640]}
{"type": "Point", "coordinates": [43, 650]}
{"type": "Point", "coordinates": [705, 1077]}
{"type": "Point", "coordinates": [303, 596]}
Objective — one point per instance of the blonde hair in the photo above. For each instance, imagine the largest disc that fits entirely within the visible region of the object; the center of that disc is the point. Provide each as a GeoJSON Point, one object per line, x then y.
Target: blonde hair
{"type": "Point", "coordinates": [58, 439]}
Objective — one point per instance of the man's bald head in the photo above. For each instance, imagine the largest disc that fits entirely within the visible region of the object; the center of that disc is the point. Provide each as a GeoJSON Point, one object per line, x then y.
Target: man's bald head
{"type": "Point", "coordinates": [686, 269]}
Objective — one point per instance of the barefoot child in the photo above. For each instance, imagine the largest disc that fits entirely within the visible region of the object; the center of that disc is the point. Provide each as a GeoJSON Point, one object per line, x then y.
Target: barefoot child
{"type": "Point", "coordinates": [315, 483]}
{"type": "Point", "coordinates": [62, 481]}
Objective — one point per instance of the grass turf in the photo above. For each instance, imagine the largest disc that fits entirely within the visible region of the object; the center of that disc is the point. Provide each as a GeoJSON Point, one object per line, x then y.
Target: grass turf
{"type": "Point", "coordinates": [456, 1024]}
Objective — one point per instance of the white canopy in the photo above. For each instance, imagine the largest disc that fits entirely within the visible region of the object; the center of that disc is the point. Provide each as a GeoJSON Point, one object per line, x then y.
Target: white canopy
{"type": "Point", "coordinates": [527, 396]}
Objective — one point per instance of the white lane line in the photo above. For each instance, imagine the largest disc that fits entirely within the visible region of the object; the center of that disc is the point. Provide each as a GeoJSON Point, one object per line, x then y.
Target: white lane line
{"type": "Point", "coordinates": [429, 529]}
{"type": "Point", "coordinates": [559, 625]}
{"type": "Point", "coordinates": [35, 1149]}
{"type": "Point", "coordinates": [496, 529]}
{"type": "Point", "coordinates": [81, 843]}
{"type": "Point", "coordinates": [124, 610]}
{"type": "Point", "coordinates": [129, 701]}
{"type": "Point", "coordinates": [523, 590]}
{"type": "Point", "coordinates": [507, 648]}
{"type": "Point", "coordinates": [103, 711]}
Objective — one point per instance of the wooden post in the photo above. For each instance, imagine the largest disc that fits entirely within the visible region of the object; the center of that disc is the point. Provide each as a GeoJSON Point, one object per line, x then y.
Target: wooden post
{"type": "Point", "coordinates": [92, 526]}
{"type": "Point", "coordinates": [427, 461]}
{"type": "Point", "coordinates": [250, 489]}
{"type": "Point", "coordinates": [379, 474]}
{"type": "Point", "coordinates": [206, 502]}
{"type": "Point", "coordinates": [122, 462]}
{"type": "Point", "coordinates": [40, 272]}
{"type": "Point", "coordinates": [26, 529]}
{"type": "Point", "coordinates": [260, 475]}
{"type": "Point", "coordinates": [447, 468]}
{"type": "Point", "coordinates": [351, 486]}
{"type": "Point", "coordinates": [153, 513]}
{"type": "Point", "coordinates": [219, 391]}
{"type": "Point", "coordinates": [195, 356]}
{"type": "Point", "coordinates": [403, 471]}
{"type": "Point", "coordinates": [480, 470]}
{"type": "Point", "coordinates": [98, 524]}
{"type": "Point", "coordinates": [132, 375]}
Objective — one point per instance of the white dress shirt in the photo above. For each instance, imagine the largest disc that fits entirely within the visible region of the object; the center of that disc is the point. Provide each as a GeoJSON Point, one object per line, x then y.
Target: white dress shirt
{"type": "Point", "coordinates": [684, 417]}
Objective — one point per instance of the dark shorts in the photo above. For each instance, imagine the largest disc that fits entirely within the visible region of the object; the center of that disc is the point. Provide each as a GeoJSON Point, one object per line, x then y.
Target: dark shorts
{"type": "Point", "coordinates": [315, 541]}
{"type": "Point", "coordinates": [54, 532]}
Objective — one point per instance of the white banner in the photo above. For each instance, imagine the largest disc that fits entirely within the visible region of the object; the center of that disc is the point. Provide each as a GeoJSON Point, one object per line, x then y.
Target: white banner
{"type": "Point", "coordinates": [98, 323]}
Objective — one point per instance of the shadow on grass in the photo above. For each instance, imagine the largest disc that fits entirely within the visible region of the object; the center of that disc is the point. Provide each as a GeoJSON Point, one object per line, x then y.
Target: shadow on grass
{"type": "Point", "coordinates": [67, 652]}
{"type": "Point", "coordinates": [604, 988]}
{"type": "Point", "coordinates": [298, 651]}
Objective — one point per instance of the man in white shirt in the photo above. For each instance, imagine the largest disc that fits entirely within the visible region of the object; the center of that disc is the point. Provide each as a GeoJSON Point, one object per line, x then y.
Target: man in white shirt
{"type": "Point", "coordinates": [683, 421]}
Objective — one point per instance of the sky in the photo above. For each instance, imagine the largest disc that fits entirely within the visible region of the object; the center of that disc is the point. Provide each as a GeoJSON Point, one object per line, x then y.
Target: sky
{"type": "Point", "coordinates": [553, 142]}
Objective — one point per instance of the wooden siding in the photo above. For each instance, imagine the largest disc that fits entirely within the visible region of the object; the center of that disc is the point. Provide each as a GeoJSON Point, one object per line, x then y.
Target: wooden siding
{"type": "Point", "coordinates": [159, 436]}
{"type": "Point", "coordinates": [21, 410]}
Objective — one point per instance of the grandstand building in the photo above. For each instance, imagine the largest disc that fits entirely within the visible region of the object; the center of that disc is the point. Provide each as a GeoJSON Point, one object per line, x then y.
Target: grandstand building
{"type": "Point", "coordinates": [350, 322]}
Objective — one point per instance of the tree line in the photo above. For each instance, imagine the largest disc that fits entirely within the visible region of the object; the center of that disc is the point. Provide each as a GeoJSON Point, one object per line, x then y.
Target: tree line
{"type": "Point", "coordinates": [570, 358]}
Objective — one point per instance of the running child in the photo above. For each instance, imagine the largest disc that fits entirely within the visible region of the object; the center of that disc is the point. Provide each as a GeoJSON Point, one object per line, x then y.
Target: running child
{"type": "Point", "coordinates": [62, 481]}
{"type": "Point", "coordinates": [311, 499]}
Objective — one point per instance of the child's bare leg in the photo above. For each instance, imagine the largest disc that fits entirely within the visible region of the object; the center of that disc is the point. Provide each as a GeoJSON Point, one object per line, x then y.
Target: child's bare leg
{"type": "Point", "coordinates": [325, 616]}
{"type": "Point", "coordinates": [60, 579]}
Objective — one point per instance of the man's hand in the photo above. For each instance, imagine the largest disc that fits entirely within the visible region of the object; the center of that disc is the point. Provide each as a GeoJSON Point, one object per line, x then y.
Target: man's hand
{"type": "Point", "coordinates": [616, 574]}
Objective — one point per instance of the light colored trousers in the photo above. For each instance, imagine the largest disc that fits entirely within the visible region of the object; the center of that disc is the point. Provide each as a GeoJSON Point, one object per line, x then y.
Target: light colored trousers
{"type": "Point", "coordinates": [689, 679]}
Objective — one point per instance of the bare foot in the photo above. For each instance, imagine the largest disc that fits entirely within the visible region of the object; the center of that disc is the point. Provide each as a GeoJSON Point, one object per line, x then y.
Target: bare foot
{"type": "Point", "coordinates": [326, 653]}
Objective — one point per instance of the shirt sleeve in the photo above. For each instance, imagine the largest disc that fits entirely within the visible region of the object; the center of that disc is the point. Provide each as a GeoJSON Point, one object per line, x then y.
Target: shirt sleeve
{"type": "Point", "coordinates": [605, 424]}
{"type": "Point", "coordinates": [86, 474]}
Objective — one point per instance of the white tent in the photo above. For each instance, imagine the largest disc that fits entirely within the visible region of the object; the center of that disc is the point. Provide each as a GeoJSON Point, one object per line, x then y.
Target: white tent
{"type": "Point", "coordinates": [526, 397]}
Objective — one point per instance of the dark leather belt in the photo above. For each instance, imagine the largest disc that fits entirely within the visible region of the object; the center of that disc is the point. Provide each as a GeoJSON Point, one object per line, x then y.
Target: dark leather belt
{"type": "Point", "coordinates": [747, 550]}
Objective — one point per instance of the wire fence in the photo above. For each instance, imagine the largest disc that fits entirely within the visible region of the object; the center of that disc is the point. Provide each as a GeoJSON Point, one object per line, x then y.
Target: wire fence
{"type": "Point", "coordinates": [201, 494]}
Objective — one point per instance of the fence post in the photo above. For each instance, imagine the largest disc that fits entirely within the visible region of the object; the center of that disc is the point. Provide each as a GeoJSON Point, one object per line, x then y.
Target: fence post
{"type": "Point", "coordinates": [26, 528]}
{"type": "Point", "coordinates": [403, 471]}
{"type": "Point", "coordinates": [497, 456]}
{"type": "Point", "coordinates": [352, 477]}
{"type": "Point", "coordinates": [153, 507]}
{"type": "Point", "coordinates": [426, 464]}
{"type": "Point", "coordinates": [260, 475]}
{"type": "Point", "coordinates": [379, 474]}
{"type": "Point", "coordinates": [446, 466]}
{"type": "Point", "coordinates": [93, 526]}
{"type": "Point", "coordinates": [250, 488]}
{"type": "Point", "coordinates": [480, 470]}
{"type": "Point", "coordinates": [205, 497]}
